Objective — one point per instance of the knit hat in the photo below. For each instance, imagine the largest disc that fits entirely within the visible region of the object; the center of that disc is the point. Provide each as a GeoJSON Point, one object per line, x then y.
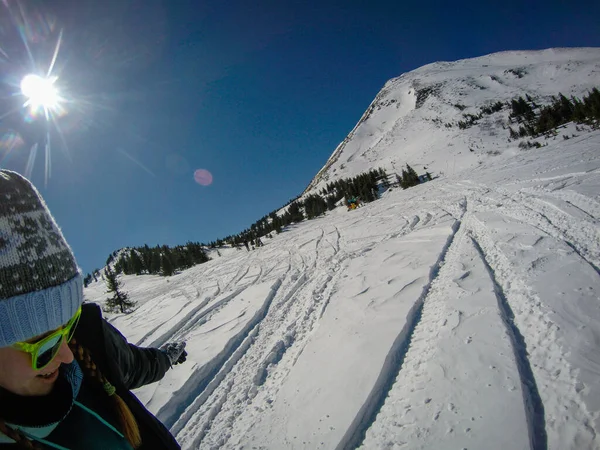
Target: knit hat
{"type": "Point", "coordinates": [40, 284]}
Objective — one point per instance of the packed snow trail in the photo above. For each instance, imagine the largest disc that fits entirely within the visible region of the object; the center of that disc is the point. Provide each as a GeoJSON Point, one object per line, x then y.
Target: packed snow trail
{"type": "Point", "coordinates": [461, 313]}
{"type": "Point", "coordinates": [437, 390]}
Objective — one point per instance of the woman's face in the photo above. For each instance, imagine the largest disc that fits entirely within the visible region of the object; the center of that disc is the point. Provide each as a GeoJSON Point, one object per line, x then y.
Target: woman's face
{"type": "Point", "coordinates": [18, 377]}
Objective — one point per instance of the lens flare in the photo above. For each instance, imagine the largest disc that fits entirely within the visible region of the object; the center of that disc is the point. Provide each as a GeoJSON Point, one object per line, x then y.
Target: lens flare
{"type": "Point", "coordinates": [203, 177]}
{"type": "Point", "coordinates": [46, 88]}
{"type": "Point", "coordinates": [34, 103]}
{"type": "Point", "coordinates": [10, 140]}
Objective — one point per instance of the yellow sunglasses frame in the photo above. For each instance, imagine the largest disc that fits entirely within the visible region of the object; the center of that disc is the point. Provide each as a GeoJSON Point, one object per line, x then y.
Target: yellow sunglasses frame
{"type": "Point", "coordinates": [63, 332]}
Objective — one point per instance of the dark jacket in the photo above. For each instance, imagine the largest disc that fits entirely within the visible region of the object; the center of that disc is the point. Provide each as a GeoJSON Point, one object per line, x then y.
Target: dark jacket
{"type": "Point", "coordinates": [126, 367]}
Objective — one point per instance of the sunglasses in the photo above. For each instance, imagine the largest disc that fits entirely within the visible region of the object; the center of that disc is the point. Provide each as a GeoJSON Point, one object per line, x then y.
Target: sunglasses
{"type": "Point", "coordinates": [44, 351]}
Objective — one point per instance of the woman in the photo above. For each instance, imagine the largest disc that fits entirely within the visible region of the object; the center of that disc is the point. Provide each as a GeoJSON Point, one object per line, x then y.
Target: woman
{"type": "Point", "coordinates": [65, 373]}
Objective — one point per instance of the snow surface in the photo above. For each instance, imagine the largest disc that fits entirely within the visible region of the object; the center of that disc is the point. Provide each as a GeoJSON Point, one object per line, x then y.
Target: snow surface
{"type": "Point", "coordinates": [463, 313]}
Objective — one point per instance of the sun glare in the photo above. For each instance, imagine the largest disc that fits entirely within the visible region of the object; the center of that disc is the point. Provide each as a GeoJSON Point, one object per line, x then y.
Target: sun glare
{"type": "Point", "coordinates": [40, 92]}
{"type": "Point", "coordinates": [43, 97]}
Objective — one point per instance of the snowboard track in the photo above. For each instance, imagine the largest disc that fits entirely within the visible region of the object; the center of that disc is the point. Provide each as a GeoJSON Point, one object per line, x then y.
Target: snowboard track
{"type": "Point", "coordinates": [255, 367]}
{"type": "Point", "coordinates": [592, 265]}
{"type": "Point", "coordinates": [180, 324]}
{"type": "Point", "coordinates": [516, 293]}
{"type": "Point", "coordinates": [195, 318]}
{"type": "Point", "coordinates": [193, 391]}
{"type": "Point", "coordinates": [534, 407]}
{"type": "Point", "coordinates": [296, 336]}
{"type": "Point", "coordinates": [547, 220]}
{"type": "Point", "coordinates": [367, 414]}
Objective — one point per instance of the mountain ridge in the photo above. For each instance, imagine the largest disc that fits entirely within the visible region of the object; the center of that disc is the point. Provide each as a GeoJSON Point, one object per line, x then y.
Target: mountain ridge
{"type": "Point", "coordinates": [431, 96]}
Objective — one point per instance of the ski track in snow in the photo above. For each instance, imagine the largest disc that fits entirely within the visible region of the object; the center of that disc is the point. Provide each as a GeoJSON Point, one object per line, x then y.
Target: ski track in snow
{"type": "Point", "coordinates": [203, 381]}
{"type": "Point", "coordinates": [538, 351]}
{"type": "Point", "coordinates": [525, 208]}
{"type": "Point", "coordinates": [297, 311]}
{"type": "Point", "coordinates": [410, 390]}
{"type": "Point", "coordinates": [394, 360]}
{"type": "Point", "coordinates": [479, 322]}
{"type": "Point", "coordinates": [534, 408]}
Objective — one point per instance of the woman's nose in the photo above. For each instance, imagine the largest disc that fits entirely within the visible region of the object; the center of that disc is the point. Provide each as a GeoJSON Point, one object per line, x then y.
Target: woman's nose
{"type": "Point", "coordinates": [65, 355]}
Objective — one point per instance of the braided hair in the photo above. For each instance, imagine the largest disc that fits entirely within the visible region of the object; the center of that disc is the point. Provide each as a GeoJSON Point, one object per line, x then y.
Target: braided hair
{"type": "Point", "coordinates": [129, 426]}
{"type": "Point", "coordinates": [18, 436]}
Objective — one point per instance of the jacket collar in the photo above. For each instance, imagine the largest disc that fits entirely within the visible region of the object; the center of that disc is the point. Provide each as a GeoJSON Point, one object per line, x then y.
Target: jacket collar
{"type": "Point", "coordinates": [74, 376]}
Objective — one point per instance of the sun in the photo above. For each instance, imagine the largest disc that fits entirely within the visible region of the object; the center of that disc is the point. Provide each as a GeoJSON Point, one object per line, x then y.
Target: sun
{"type": "Point", "coordinates": [41, 93]}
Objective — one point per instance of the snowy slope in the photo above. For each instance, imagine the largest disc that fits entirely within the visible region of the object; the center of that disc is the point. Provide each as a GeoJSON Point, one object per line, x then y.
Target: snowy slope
{"type": "Point", "coordinates": [406, 123]}
{"type": "Point", "coordinates": [461, 313]}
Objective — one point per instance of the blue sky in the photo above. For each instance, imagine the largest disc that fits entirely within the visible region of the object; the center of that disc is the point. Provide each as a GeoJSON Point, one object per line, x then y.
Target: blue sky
{"type": "Point", "coordinates": [258, 93]}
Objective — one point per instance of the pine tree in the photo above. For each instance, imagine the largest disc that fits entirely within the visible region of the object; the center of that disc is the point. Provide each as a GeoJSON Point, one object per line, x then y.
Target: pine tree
{"type": "Point", "coordinates": [404, 179]}
{"type": "Point", "coordinates": [126, 264]}
{"type": "Point", "coordinates": [385, 182]}
{"type": "Point", "coordinates": [331, 201]}
{"type": "Point", "coordinates": [167, 265]}
{"type": "Point", "coordinates": [314, 206]}
{"type": "Point", "coordinates": [155, 262]}
{"type": "Point", "coordinates": [146, 257]}
{"type": "Point", "coordinates": [409, 177]}
{"type": "Point", "coordinates": [295, 212]}
{"type": "Point", "coordinates": [119, 300]}
{"type": "Point", "coordinates": [135, 262]}
{"type": "Point", "coordinates": [413, 177]}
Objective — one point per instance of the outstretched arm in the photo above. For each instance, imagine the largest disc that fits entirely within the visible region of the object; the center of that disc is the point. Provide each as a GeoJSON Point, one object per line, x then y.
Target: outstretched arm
{"type": "Point", "coordinates": [138, 366]}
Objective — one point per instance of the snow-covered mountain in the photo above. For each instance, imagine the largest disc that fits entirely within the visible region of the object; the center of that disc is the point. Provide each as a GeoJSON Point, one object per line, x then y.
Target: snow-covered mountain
{"type": "Point", "coordinates": [414, 118]}
{"type": "Point", "coordinates": [460, 313]}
